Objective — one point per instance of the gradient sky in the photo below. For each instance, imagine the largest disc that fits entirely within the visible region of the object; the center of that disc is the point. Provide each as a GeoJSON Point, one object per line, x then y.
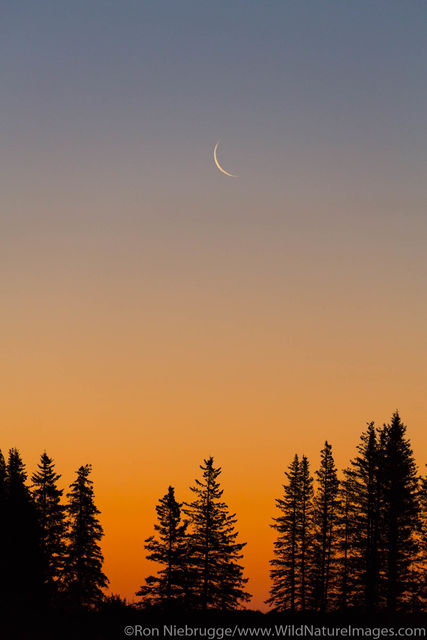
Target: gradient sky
{"type": "Point", "coordinates": [154, 311]}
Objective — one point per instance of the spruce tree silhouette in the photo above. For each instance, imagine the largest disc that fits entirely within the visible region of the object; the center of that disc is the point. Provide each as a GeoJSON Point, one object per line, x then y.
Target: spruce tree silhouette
{"type": "Point", "coordinates": [83, 576]}
{"type": "Point", "coordinates": [169, 589]}
{"type": "Point", "coordinates": [422, 567]}
{"type": "Point", "coordinates": [51, 513]}
{"type": "Point", "coordinates": [284, 564]}
{"type": "Point", "coordinates": [3, 480]}
{"type": "Point", "coordinates": [4, 556]}
{"type": "Point", "coordinates": [363, 496]}
{"type": "Point", "coordinates": [345, 539]}
{"type": "Point", "coordinates": [292, 548]}
{"type": "Point", "coordinates": [401, 513]}
{"type": "Point", "coordinates": [325, 514]}
{"type": "Point", "coordinates": [423, 507]}
{"type": "Point", "coordinates": [305, 527]}
{"type": "Point", "coordinates": [214, 552]}
{"type": "Point", "coordinates": [23, 570]}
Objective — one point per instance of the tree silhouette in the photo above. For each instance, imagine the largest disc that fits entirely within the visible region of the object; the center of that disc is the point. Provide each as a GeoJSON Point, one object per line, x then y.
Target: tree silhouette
{"type": "Point", "coordinates": [84, 579]}
{"type": "Point", "coordinates": [292, 548]}
{"type": "Point", "coordinates": [325, 514]}
{"type": "Point", "coordinates": [346, 534]}
{"type": "Point", "coordinates": [364, 498]}
{"type": "Point", "coordinates": [22, 538]}
{"type": "Point", "coordinates": [169, 588]}
{"type": "Point", "coordinates": [3, 478]}
{"type": "Point", "coordinates": [422, 569]}
{"type": "Point", "coordinates": [4, 538]}
{"type": "Point", "coordinates": [305, 526]}
{"type": "Point", "coordinates": [51, 512]}
{"type": "Point", "coordinates": [423, 506]}
{"type": "Point", "coordinates": [400, 512]}
{"type": "Point", "coordinates": [284, 564]}
{"type": "Point", "coordinates": [218, 577]}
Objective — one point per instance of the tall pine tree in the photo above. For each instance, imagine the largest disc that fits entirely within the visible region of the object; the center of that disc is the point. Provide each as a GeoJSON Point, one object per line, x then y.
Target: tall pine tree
{"type": "Point", "coordinates": [47, 497]}
{"type": "Point", "coordinates": [23, 566]}
{"type": "Point", "coordinates": [291, 566]}
{"type": "Point", "coordinates": [169, 548]}
{"type": "Point", "coordinates": [345, 541]}
{"type": "Point", "coordinates": [325, 516]}
{"type": "Point", "coordinates": [364, 495]}
{"type": "Point", "coordinates": [215, 554]}
{"type": "Point", "coordinates": [305, 529]}
{"type": "Point", "coordinates": [4, 557]}
{"type": "Point", "coordinates": [286, 547]}
{"type": "Point", "coordinates": [83, 576]}
{"type": "Point", "coordinates": [423, 506]}
{"type": "Point", "coordinates": [422, 567]}
{"type": "Point", "coordinates": [400, 513]}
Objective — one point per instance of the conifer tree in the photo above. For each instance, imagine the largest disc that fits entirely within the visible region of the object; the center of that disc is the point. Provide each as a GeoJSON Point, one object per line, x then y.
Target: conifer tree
{"type": "Point", "coordinates": [2, 478]}
{"type": "Point", "coordinates": [169, 588]}
{"type": "Point", "coordinates": [3, 530]}
{"type": "Point", "coordinates": [3, 490]}
{"type": "Point", "coordinates": [364, 495]}
{"type": "Point", "coordinates": [284, 564]}
{"type": "Point", "coordinates": [325, 515]}
{"type": "Point", "coordinates": [346, 538]}
{"type": "Point", "coordinates": [51, 512]}
{"type": "Point", "coordinates": [400, 513]}
{"type": "Point", "coordinates": [423, 506]}
{"type": "Point", "coordinates": [83, 575]}
{"type": "Point", "coordinates": [218, 576]}
{"type": "Point", "coordinates": [23, 569]}
{"type": "Point", "coordinates": [422, 567]}
{"type": "Point", "coordinates": [291, 566]}
{"type": "Point", "coordinates": [305, 528]}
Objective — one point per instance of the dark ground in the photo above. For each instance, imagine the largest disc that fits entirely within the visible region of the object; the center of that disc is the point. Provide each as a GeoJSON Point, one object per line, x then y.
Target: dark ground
{"type": "Point", "coordinates": [120, 622]}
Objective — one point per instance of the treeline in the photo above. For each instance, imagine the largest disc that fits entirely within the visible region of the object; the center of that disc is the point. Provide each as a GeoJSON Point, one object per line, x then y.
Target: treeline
{"type": "Point", "coordinates": [50, 554]}
{"type": "Point", "coordinates": [355, 542]}
{"type": "Point", "coordinates": [359, 542]}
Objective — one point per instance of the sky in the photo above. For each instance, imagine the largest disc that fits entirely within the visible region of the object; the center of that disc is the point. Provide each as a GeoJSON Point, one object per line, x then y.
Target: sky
{"type": "Point", "coordinates": [154, 311]}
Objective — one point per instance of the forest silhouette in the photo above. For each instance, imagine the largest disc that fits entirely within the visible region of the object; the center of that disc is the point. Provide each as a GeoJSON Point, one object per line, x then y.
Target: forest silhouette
{"type": "Point", "coordinates": [349, 544]}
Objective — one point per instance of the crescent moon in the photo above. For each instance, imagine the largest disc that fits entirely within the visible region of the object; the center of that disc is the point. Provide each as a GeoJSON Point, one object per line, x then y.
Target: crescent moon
{"type": "Point", "coordinates": [231, 175]}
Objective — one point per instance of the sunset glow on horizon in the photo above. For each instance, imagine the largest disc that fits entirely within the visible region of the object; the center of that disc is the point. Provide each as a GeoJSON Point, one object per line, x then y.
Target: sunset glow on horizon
{"type": "Point", "coordinates": [156, 312]}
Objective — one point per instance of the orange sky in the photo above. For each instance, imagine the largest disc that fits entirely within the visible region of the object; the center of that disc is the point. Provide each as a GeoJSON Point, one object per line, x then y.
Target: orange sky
{"type": "Point", "coordinates": [147, 425]}
{"type": "Point", "coordinates": [248, 344]}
